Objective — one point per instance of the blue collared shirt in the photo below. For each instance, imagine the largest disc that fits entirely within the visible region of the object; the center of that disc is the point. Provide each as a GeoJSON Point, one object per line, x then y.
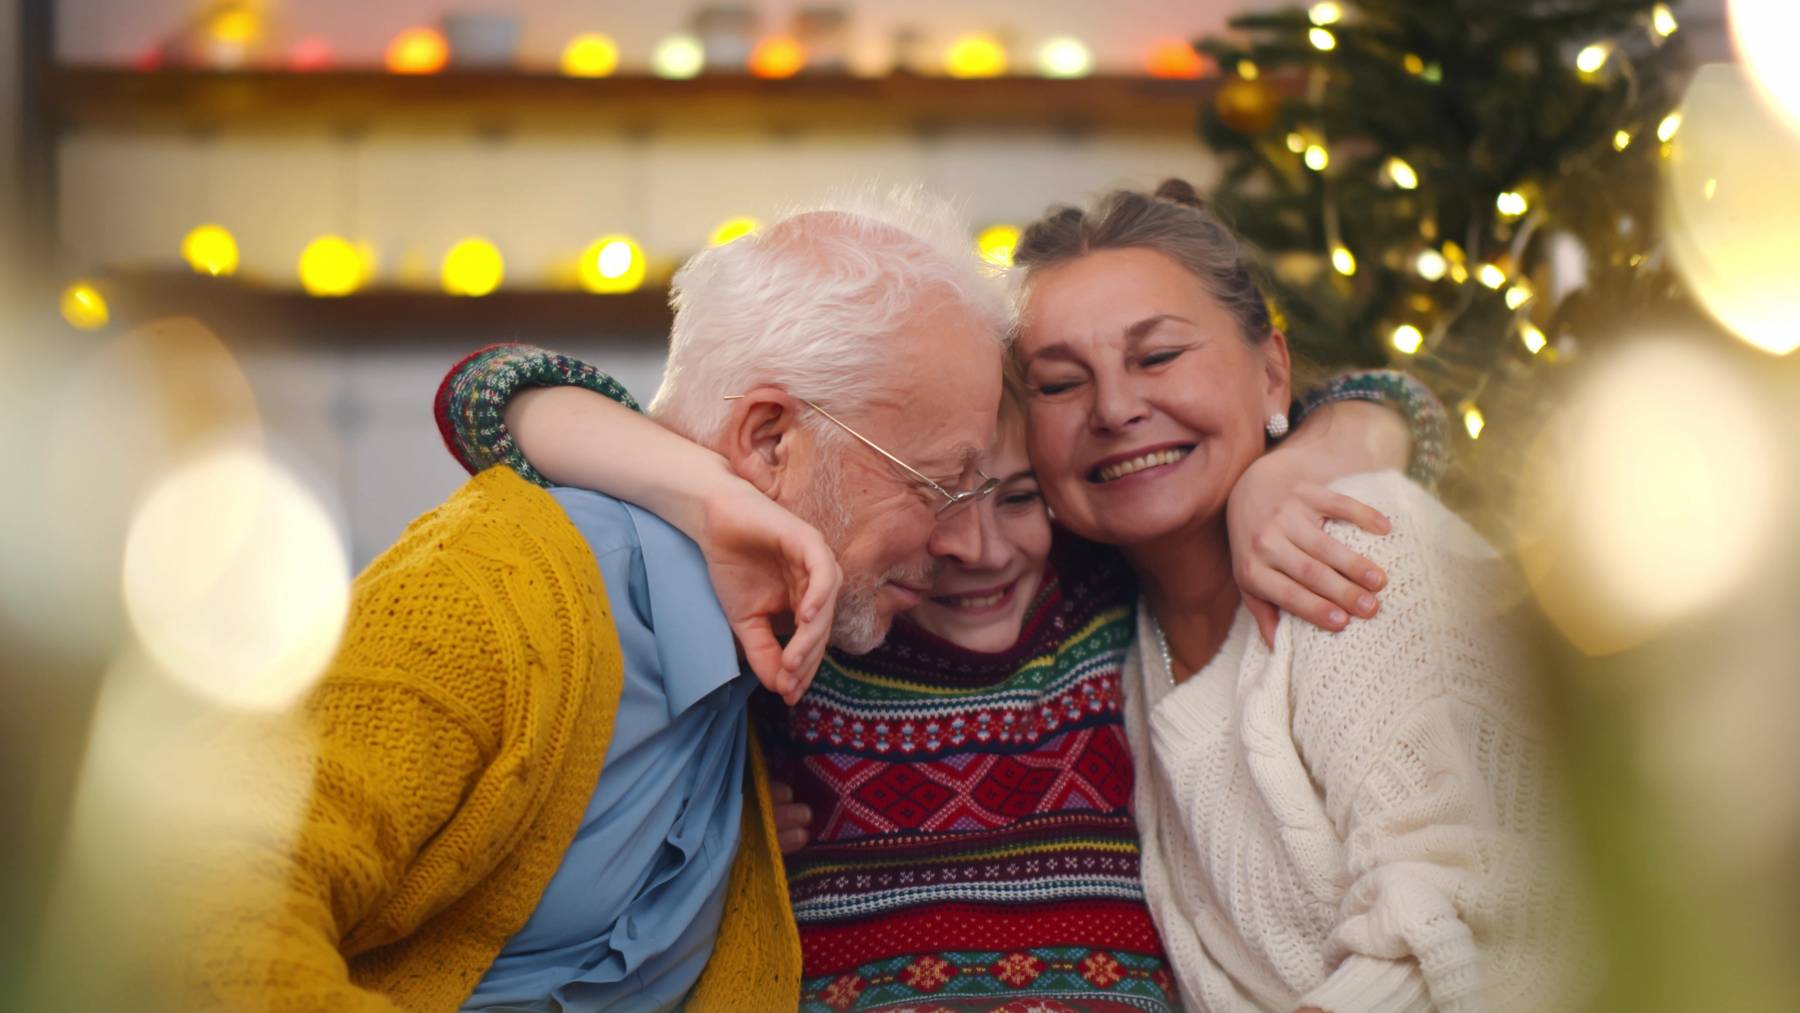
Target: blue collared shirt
{"type": "Point", "coordinates": [628, 920]}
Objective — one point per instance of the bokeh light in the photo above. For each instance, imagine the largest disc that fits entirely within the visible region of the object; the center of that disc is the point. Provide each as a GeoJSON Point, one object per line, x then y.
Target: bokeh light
{"type": "Point", "coordinates": [1473, 421]}
{"type": "Point", "coordinates": [590, 54]}
{"type": "Point", "coordinates": [1533, 338]}
{"type": "Point", "coordinates": [612, 265]}
{"type": "Point", "coordinates": [1662, 21]}
{"type": "Point", "coordinates": [1064, 57]}
{"type": "Point", "coordinates": [1491, 275]}
{"type": "Point", "coordinates": [418, 51]}
{"type": "Point", "coordinates": [83, 307]}
{"type": "Point", "coordinates": [1343, 261]}
{"type": "Point", "coordinates": [310, 54]}
{"type": "Point", "coordinates": [1326, 12]}
{"type": "Point", "coordinates": [1402, 173]}
{"type": "Point", "coordinates": [733, 228]}
{"type": "Point", "coordinates": [678, 58]}
{"type": "Point", "coordinates": [1512, 204]}
{"type": "Point", "coordinates": [1431, 265]}
{"type": "Point", "coordinates": [1317, 158]}
{"type": "Point", "coordinates": [776, 57]}
{"type": "Point", "coordinates": [236, 580]}
{"type": "Point", "coordinates": [973, 56]}
{"type": "Point", "coordinates": [1767, 33]}
{"type": "Point", "coordinates": [1177, 60]}
{"type": "Point", "coordinates": [1408, 339]}
{"type": "Point", "coordinates": [1652, 496]}
{"type": "Point", "coordinates": [1732, 210]}
{"type": "Point", "coordinates": [996, 244]}
{"type": "Point", "coordinates": [473, 267]}
{"type": "Point", "coordinates": [331, 266]}
{"type": "Point", "coordinates": [1322, 39]}
{"type": "Point", "coordinates": [210, 249]}
{"type": "Point", "coordinates": [1591, 60]}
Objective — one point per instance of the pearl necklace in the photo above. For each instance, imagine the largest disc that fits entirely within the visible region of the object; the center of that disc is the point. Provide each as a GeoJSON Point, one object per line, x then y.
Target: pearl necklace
{"type": "Point", "coordinates": [1162, 645]}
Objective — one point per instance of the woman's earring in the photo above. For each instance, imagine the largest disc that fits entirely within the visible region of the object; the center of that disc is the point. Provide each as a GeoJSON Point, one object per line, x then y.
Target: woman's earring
{"type": "Point", "coordinates": [1277, 425]}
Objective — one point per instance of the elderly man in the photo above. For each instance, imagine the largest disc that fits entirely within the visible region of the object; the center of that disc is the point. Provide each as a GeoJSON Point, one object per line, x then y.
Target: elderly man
{"type": "Point", "coordinates": [531, 752]}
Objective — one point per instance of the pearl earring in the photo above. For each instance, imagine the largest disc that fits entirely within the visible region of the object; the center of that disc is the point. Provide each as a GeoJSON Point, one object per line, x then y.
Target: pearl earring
{"type": "Point", "coordinates": [1277, 425]}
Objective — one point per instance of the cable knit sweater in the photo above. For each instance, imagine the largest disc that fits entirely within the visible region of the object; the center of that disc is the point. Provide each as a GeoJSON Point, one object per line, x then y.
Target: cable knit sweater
{"type": "Point", "coordinates": [1362, 820]}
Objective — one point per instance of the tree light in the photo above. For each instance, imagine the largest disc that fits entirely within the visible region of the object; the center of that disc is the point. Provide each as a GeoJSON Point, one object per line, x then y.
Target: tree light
{"type": "Point", "coordinates": [1592, 58]}
{"type": "Point", "coordinates": [1325, 13]}
{"type": "Point", "coordinates": [776, 57]}
{"type": "Point", "coordinates": [1408, 339]}
{"type": "Point", "coordinates": [1431, 265]}
{"type": "Point", "coordinates": [1414, 64]}
{"type": "Point", "coordinates": [590, 54]}
{"type": "Point", "coordinates": [1518, 295]}
{"type": "Point", "coordinates": [975, 56]}
{"type": "Point", "coordinates": [996, 243]}
{"type": "Point", "coordinates": [1317, 158]}
{"type": "Point", "coordinates": [83, 307]}
{"type": "Point", "coordinates": [1322, 39]}
{"type": "Point", "coordinates": [1296, 143]}
{"type": "Point", "coordinates": [418, 51]}
{"type": "Point", "coordinates": [1473, 421]}
{"type": "Point", "coordinates": [1248, 70]}
{"type": "Point", "coordinates": [1343, 261]}
{"type": "Point", "coordinates": [330, 266]}
{"type": "Point", "coordinates": [1622, 140]}
{"type": "Point", "coordinates": [1532, 337]}
{"type": "Point", "coordinates": [678, 58]}
{"type": "Point", "coordinates": [1176, 59]}
{"type": "Point", "coordinates": [730, 229]}
{"type": "Point", "coordinates": [1491, 276]}
{"type": "Point", "coordinates": [473, 267]}
{"type": "Point", "coordinates": [1662, 20]}
{"type": "Point", "coordinates": [209, 249]}
{"type": "Point", "coordinates": [1512, 204]}
{"type": "Point", "coordinates": [1065, 57]}
{"type": "Point", "coordinates": [612, 265]}
{"type": "Point", "coordinates": [1669, 127]}
{"type": "Point", "coordinates": [1402, 173]}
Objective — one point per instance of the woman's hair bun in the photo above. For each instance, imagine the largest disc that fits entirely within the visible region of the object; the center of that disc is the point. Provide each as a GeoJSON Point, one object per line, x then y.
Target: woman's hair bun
{"type": "Point", "coordinates": [1180, 191]}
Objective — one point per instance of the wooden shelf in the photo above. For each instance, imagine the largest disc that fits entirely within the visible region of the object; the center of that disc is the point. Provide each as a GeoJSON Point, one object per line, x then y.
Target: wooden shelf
{"type": "Point", "coordinates": [352, 100]}
{"type": "Point", "coordinates": [241, 312]}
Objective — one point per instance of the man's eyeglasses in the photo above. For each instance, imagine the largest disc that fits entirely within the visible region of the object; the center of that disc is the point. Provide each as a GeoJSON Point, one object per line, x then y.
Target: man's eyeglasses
{"type": "Point", "coordinates": [953, 503]}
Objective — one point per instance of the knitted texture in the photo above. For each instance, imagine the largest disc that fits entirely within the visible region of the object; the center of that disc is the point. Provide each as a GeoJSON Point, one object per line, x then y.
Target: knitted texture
{"type": "Point", "coordinates": [1362, 820]}
{"type": "Point", "coordinates": [972, 840]}
{"type": "Point", "coordinates": [444, 763]}
{"type": "Point", "coordinates": [471, 401]}
{"type": "Point", "coordinates": [1426, 421]}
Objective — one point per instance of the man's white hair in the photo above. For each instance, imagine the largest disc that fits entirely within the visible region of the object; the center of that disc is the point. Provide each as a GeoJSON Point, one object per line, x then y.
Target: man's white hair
{"type": "Point", "coordinates": [813, 304]}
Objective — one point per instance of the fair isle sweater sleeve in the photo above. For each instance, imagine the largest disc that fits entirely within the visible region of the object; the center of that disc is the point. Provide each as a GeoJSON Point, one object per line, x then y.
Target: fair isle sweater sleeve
{"type": "Point", "coordinates": [471, 401]}
{"type": "Point", "coordinates": [1426, 421]}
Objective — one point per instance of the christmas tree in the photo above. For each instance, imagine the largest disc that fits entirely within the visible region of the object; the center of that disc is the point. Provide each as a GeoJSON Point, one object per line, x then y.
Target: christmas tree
{"type": "Point", "coordinates": [1466, 189]}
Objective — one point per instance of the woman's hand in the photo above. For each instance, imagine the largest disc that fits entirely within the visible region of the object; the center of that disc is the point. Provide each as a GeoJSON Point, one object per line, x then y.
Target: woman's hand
{"type": "Point", "coordinates": [1280, 554]}
{"type": "Point", "coordinates": [793, 820]}
{"type": "Point", "coordinates": [767, 565]}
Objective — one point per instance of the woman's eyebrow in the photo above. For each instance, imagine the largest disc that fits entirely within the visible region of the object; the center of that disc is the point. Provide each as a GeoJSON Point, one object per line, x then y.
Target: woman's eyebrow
{"type": "Point", "coordinates": [1141, 330]}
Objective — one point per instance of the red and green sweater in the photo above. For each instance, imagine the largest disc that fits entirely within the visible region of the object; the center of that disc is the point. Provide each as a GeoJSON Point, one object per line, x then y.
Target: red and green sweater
{"type": "Point", "coordinates": [972, 842]}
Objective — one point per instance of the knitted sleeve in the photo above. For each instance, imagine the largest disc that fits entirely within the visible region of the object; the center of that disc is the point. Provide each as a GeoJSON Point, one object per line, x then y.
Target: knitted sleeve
{"type": "Point", "coordinates": [471, 401]}
{"type": "Point", "coordinates": [1416, 727]}
{"type": "Point", "coordinates": [1426, 420]}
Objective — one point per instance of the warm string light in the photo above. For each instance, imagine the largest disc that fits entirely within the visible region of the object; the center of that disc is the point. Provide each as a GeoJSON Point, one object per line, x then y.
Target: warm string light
{"type": "Point", "coordinates": [975, 56]}
{"type": "Point", "coordinates": [1592, 59]}
{"type": "Point", "coordinates": [590, 54]}
{"type": "Point", "coordinates": [776, 57]}
{"type": "Point", "coordinates": [1662, 20]}
{"type": "Point", "coordinates": [83, 307]}
{"type": "Point", "coordinates": [1325, 13]}
{"type": "Point", "coordinates": [1176, 59]}
{"type": "Point", "coordinates": [1512, 204]}
{"type": "Point", "coordinates": [733, 228]}
{"type": "Point", "coordinates": [1065, 57]}
{"type": "Point", "coordinates": [1473, 421]}
{"type": "Point", "coordinates": [418, 51]}
{"type": "Point", "coordinates": [1402, 174]}
{"type": "Point", "coordinates": [1669, 127]}
{"type": "Point", "coordinates": [1317, 158]}
{"type": "Point", "coordinates": [1343, 261]}
{"type": "Point", "coordinates": [613, 265]}
{"type": "Point", "coordinates": [678, 58]}
{"type": "Point", "coordinates": [1533, 338]}
{"type": "Point", "coordinates": [996, 244]}
{"type": "Point", "coordinates": [330, 266]}
{"type": "Point", "coordinates": [1431, 265]}
{"type": "Point", "coordinates": [1322, 39]}
{"type": "Point", "coordinates": [1408, 339]}
{"type": "Point", "coordinates": [210, 250]}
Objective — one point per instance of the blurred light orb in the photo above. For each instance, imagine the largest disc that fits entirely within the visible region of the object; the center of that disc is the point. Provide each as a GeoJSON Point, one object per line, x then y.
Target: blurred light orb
{"type": "Point", "coordinates": [1343, 261]}
{"type": "Point", "coordinates": [210, 249]}
{"type": "Point", "coordinates": [473, 267]}
{"type": "Point", "coordinates": [1491, 275]}
{"type": "Point", "coordinates": [1767, 33]}
{"type": "Point", "coordinates": [236, 580]}
{"type": "Point", "coordinates": [1402, 173]}
{"type": "Point", "coordinates": [1414, 64]}
{"type": "Point", "coordinates": [1177, 60]}
{"type": "Point", "coordinates": [1533, 338]}
{"type": "Point", "coordinates": [996, 244]}
{"type": "Point", "coordinates": [612, 265]}
{"type": "Point", "coordinates": [1064, 57]}
{"type": "Point", "coordinates": [974, 56]}
{"type": "Point", "coordinates": [1734, 245]}
{"type": "Point", "coordinates": [1473, 421]}
{"type": "Point", "coordinates": [1512, 204]}
{"type": "Point", "coordinates": [1519, 294]}
{"type": "Point", "coordinates": [83, 307]}
{"type": "Point", "coordinates": [310, 54]}
{"type": "Point", "coordinates": [1322, 39]}
{"type": "Point", "coordinates": [1296, 142]}
{"type": "Point", "coordinates": [1248, 70]}
{"type": "Point", "coordinates": [1408, 339]}
{"type": "Point", "coordinates": [1669, 127]}
{"type": "Point", "coordinates": [1621, 140]}
{"type": "Point", "coordinates": [777, 57]}
{"type": "Point", "coordinates": [1431, 265]}
{"type": "Point", "coordinates": [733, 228]}
{"type": "Point", "coordinates": [1593, 58]}
{"type": "Point", "coordinates": [418, 51]}
{"type": "Point", "coordinates": [1317, 158]}
{"type": "Point", "coordinates": [678, 58]}
{"type": "Point", "coordinates": [1662, 21]}
{"type": "Point", "coordinates": [1668, 490]}
{"type": "Point", "coordinates": [331, 266]}
{"type": "Point", "coordinates": [1325, 13]}
{"type": "Point", "coordinates": [590, 54]}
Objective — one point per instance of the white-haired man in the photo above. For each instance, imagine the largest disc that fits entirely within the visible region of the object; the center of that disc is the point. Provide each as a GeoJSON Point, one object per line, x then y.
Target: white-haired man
{"type": "Point", "coordinates": [531, 752]}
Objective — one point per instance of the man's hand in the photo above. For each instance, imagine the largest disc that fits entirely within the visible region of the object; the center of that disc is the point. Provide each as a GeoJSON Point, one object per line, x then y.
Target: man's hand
{"type": "Point", "coordinates": [793, 820]}
{"type": "Point", "coordinates": [1280, 554]}
{"type": "Point", "coordinates": [771, 570]}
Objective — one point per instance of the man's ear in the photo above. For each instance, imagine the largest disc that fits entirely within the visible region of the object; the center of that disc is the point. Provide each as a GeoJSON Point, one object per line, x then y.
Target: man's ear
{"type": "Point", "coordinates": [759, 437]}
{"type": "Point", "coordinates": [1278, 374]}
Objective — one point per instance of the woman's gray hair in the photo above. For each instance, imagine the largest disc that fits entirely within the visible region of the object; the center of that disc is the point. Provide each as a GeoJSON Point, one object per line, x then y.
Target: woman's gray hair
{"type": "Point", "coordinates": [1175, 222]}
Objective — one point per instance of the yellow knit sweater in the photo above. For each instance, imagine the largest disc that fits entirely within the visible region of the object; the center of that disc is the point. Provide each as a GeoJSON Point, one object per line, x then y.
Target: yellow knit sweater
{"type": "Point", "coordinates": [448, 756]}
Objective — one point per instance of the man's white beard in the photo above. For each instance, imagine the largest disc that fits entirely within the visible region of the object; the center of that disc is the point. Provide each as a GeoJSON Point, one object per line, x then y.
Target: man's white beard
{"type": "Point", "coordinates": [857, 627]}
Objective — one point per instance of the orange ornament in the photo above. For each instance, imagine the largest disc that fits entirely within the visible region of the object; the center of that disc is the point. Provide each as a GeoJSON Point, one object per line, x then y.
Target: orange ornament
{"type": "Point", "coordinates": [1177, 59]}
{"type": "Point", "coordinates": [777, 56]}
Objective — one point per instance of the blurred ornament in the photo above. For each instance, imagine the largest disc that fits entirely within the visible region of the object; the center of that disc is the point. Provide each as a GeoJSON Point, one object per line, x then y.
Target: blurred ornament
{"type": "Point", "coordinates": [1735, 250]}
{"type": "Point", "coordinates": [1408, 339]}
{"type": "Point", "coordinates": [613, 265]}
{"type": "Point", "coordinates": [1065, 57]}
{"type": "Point", "coordinates": [310, 55]}
{"type": "Point", "coordinates": [1178, 60]}
{"type": "Point", "coordinates": [975, 56]}
{"type": "Point", "coordinates": [824, 32]}
{"type": "Point", "coordinates": [330, 266]}
{"type": "Point", "coordinates": [590, 54]}
{"type": "Point", "coordinates": [996, 244]}
{"type": "Point", "coordinates": [473, 267]}
{"type": "Point", "coordinates": [418, 51]}
{"type": "Point", "coordinates": [1767, 32]}
{"type": "Point", "coordinates": [211, 250]}
{"type": "Point", "coordinates": [730, 229]}
{"type": "Point", "coordinates": [481, 39]}
{"type": "Point", "coordinates": [726, 33]}
{"type": "Point", "coordinates": [678, 58]}
{"type": "Point", "coordinates": [1248, 107]}
{"type": "Point", "coordinates": [776, 57]}
{"type": "Point", "coordinates": [83, 307]}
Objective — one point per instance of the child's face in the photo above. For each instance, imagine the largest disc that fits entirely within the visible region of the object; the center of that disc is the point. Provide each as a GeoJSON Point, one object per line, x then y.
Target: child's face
{"type": "Point", "coordinates": [980, 605]}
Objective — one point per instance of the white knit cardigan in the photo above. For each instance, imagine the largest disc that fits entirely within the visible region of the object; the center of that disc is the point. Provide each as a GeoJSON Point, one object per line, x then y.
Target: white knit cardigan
{"type": "Point", "coordinates": [1361, 820]}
